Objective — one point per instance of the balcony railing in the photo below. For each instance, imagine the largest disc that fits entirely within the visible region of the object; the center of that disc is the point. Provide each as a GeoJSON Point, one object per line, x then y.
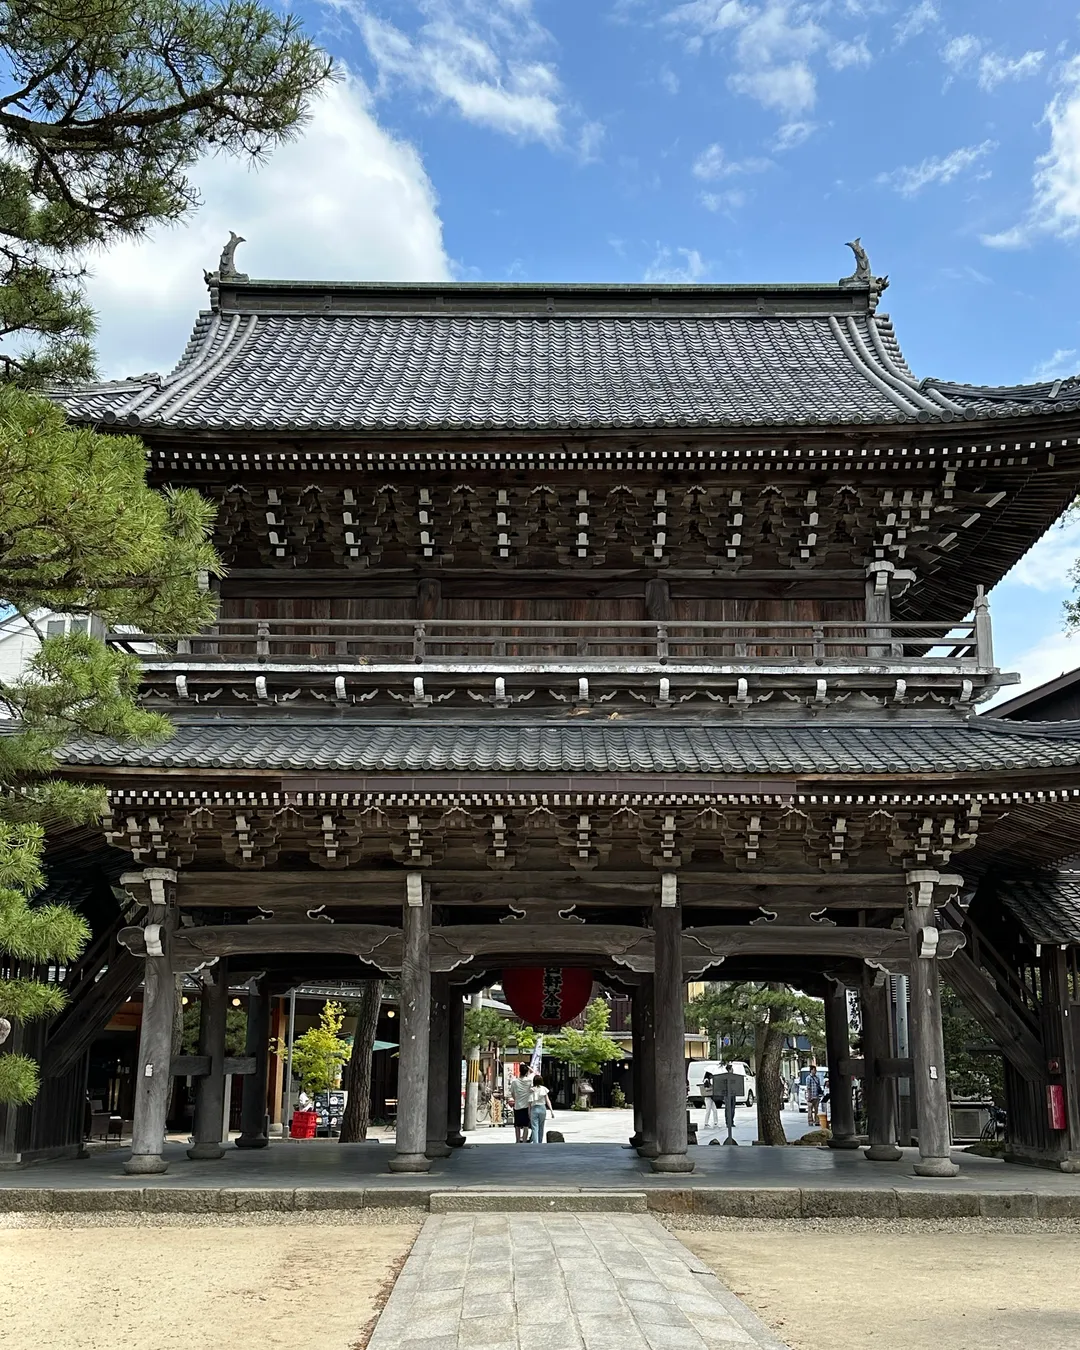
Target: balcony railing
{"type": "Point", "coordinates": [543, 643]}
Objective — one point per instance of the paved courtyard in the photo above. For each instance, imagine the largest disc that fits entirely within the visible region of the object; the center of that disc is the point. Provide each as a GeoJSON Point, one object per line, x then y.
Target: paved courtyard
{"type": "Point", "coordinates": [560, 1282]}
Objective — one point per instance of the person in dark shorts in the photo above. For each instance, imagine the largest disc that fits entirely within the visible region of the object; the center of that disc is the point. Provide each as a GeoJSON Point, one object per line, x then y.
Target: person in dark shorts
{"type": "Point", "coordinates": [520, 1094]}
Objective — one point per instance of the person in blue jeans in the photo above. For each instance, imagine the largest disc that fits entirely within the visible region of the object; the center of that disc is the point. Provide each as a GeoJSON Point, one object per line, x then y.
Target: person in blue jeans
{"type": "Point", "coordinates": [539, 1106]}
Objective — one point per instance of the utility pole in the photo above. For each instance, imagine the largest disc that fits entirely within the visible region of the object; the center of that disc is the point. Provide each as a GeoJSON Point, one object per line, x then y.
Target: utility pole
{"type": "Point", "coordinates": [472, 1078]}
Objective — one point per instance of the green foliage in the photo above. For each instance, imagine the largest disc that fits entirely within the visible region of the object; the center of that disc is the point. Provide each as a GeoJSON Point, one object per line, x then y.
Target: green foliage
{"type": "Point", "coordinates": [235, 1030]}
{"type": "Point", "coordinates": [969, 1072]}
{"type": "Point", "coordinates": [319, 1053]}
{"type": "Point", "coordinates": [19, 1079]}
{"type": "Point", "coordinates": [80, 532]}
{"type": "Point", "coordinates": [107, 106]}
{"type": "Point", "coordinates": [587, 1050]}
{"type": "Point", "coordinates": [486, 1027]}
{"type": "Point", "coordinates": [740, 1009]}
{"type": "Point", "coordinates": [618, 1096]}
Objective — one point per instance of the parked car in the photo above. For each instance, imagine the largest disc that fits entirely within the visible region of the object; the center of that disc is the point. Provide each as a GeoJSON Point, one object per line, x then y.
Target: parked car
{"type": "Point", "coordinates": [697, 1070]}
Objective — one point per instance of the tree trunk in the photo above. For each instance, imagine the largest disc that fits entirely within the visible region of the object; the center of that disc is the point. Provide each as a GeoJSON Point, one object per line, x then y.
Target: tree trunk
{"type": "Point", "coordinates": [357, 1077]}
{"type": "Point", "coordinates": [770, 1095]}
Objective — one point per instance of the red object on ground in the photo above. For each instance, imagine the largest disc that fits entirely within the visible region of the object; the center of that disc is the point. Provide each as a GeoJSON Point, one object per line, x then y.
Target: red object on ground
{"type": "Point", "coordinates": [1055, 1106]}
{"type": "Point", "coordinates": [547, 996]}
{"type": "Point", "coordinates": [303, 1124]}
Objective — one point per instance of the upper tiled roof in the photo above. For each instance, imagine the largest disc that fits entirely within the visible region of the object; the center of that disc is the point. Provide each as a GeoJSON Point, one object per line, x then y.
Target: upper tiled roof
{"type": "Point", "coordinates": [1047, 907]}
{"type": "Point", "coordinates": [325, 357]}
{"type": "Point", "coordinates": [288, 745]}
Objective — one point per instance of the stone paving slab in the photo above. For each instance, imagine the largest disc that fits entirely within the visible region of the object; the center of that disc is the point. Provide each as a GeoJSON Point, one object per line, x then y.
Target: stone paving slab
{"type": "Point", "coordinates": [566, 1281]}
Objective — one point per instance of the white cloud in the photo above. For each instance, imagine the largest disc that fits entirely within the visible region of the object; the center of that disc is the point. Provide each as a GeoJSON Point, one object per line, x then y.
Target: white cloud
{"type": "Point", "coordinates": [1055, 207]}
{"type": "Point", "coordinates": [484, 59]}
{"type": "Point", "coordinates": [912, 178]}
{"type": "Point", "coordinates": [726, 202]}
{"type": "Point", "coordinates": [590, 139]}
{"type": "Point", "coordinates": [1047, 566]}
{"type": "Point", "coordinates": [666, 268]}
{"type": "Point", "coordinates": [346, 202]}
{"type": "Point", "coordinates": [1064, 363]}
{"type": "Point", "coordinates": [917, 20]}
{"type": "Point", "coordinates": [793, 134]}
{"type": "Point", "coordinates": [712, 163]}
{"type": "Point", "coordinates": [1051, 656]}
{"type": "Point", "coordinates": [967, 55]}
{"type": "Point", "coordinates": [669, 81]}
{"type": "Point", "coordinates": [772, 43]}
{"type": "Point", "coordinates": [845, 54]}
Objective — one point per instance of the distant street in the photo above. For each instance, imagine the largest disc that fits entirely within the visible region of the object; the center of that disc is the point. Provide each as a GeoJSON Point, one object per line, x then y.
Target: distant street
{"type": "Point", "coordinates": [608, 1126]}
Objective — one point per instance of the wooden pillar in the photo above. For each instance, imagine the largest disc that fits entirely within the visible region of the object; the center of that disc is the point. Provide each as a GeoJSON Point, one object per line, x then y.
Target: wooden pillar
{"type": "Point", "coordinates": [156, 1034]}
{"type": "Point", "coordinates": [253, 1106]}
{"type": "Point", "coordinates": [277, 1064]}
{"type": "Point", "coordinates": [670, 1036]}
{"type": "Point", "coordinates": [438, 1067]}
{"type": "Point", "coordinates": [927, 1041]}
{"type": "Point", "coordinates": [456, 1023]}
{"type": "Point", "coordinates": [637, 1138]}
{"type": "Point", "coordinates": [1061, 1005]}
{"type": "Point", "coordinates": [838, 1051]}
{"type": "Point", "coordinates": [210, 1090]}
{"type": "Point", "coordinates": [409, 1154]}
{"type": "Point", "coordinates": [647, 1003]}
{"type": "Point", "coordinates": [879, 1089]}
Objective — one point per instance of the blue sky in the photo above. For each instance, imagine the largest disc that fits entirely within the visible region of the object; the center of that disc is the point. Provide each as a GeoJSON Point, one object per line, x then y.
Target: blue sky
{"type": "Point", "coordinates": [709, 141]}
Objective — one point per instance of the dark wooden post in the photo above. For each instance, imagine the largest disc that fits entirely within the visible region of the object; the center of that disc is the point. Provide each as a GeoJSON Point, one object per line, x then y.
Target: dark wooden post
{"type": "Point", "coordinates": [879, 1089]}
{"type": "Point", "coordinates": [636, 1013]}
{"type": "Point", "coordinates": [1062, 1007]}
{"type": "Point", "coordinates": [253, 1116]}
{"type": "Point", "coordinates": [409, 1152]}
{"type": "Point", "coordinates": [927, 1041]}
{"type": "Point", "coordinates": [669, 994]}
{"type": "Point", "coordinates": [456, 1023]}
{"type": "Point", "coordinates": [647, 1005]}
{"type": "Point", "coordinates": [438, 1067]}
{"type": "Point", "coordinates": [210, 1089]}
{"type": "Point", "coordinates": [156, 1033]}
{"type": "Point", "coordinates": [838, 1051]}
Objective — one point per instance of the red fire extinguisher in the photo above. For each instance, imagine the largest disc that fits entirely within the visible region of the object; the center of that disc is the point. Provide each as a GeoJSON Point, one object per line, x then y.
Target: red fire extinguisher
{"type": "Point", "coordinates": [1055, 1106]}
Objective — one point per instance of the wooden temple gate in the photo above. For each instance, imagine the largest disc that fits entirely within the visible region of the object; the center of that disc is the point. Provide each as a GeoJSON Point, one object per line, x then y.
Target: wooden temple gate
{"type": "Point", "coordinates": [639, 628]}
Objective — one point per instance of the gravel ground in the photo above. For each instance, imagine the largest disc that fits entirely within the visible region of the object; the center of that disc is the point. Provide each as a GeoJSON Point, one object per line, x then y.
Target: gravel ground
{"type": "Point", "coordinates": [198, 1282]}
{"type": "Point", "coordinates": [952, 1284]}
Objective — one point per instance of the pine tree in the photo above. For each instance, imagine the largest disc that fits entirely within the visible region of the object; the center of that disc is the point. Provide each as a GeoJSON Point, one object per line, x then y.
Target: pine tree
{"type": "Point", "coordinates": [80, 533]}
{"type": "Point", "coordinates": [105, 107]}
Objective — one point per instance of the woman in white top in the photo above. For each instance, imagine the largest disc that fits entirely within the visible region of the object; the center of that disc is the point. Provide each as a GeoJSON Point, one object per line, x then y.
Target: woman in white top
{"type": "Point", "coordinates": [539, 1106]}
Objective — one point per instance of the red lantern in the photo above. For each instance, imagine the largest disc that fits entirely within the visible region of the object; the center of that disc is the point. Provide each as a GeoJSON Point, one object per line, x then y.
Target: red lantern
{"type": "Point", "coordinates": [547, 996]}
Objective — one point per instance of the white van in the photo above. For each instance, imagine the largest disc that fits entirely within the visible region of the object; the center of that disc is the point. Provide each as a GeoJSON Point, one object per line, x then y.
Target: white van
{"type": "Point", "coordinates": [698, 1068]}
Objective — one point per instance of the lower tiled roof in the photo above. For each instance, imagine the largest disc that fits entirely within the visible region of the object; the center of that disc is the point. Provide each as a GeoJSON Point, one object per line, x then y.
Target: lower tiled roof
{"type": "Point", "coordinates": [1046, 907]}
{"type": "Point", "coordinates": [310, 744]}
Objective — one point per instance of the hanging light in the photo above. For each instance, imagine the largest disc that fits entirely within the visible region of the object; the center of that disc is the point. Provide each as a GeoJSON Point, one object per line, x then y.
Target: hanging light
{"type": "Point", "coordinates": [236, 1003]}
{"type": "Point", "coordinates": [184, 1001]}
{"type": "Point", "coordinates": [390, 1012]}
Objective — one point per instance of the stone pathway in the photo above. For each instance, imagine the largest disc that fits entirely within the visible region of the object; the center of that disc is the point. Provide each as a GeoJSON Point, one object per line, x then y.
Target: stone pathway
{"type": "Point", "coordinates": [560, 1282]}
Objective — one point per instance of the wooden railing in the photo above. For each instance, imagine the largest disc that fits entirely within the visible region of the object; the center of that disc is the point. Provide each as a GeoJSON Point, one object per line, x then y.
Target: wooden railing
{"type": "Point", "coordinates": [376, 642]}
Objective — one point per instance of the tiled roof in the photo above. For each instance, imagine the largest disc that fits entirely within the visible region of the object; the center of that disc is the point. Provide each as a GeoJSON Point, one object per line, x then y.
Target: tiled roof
{"type": "Point", "coordinates": [309, 744]}
{"type": "Point", "coordinates": [277, 361]}
{"type": "Point", "coordinates": [1047, 907]}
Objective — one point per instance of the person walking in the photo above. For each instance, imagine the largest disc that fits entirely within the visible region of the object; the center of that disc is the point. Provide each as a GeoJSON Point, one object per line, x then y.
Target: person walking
{"type": "Point", "coordinates": [520, 1097]}
{"type": "Point", "coordinates": [712, 1121]}
{"type": "Point", "coordinates": [539, 1108]}
{"type": "Point", "coordinates": [813, 1097]}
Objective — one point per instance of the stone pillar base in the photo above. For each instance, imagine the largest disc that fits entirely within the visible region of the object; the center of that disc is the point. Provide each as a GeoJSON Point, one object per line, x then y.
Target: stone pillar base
{"type": "Point", "coordinates": [456, 1140]}
{"type": "Point", "coordinates": [252, 1141]}
{"type": "Point", "coordinates": [636, 1139]}
{"type": "Point", "coordinates": [145, 1164]}
{"type": "Point", "coordinates": [437, 1148]}
{"type": "Point", "coordinates": [844, 1142]}
{"type": "Point", "coordinates": [647, 1149]}
{"type": "Point", "coordinates": [883, 1153]}
{"type": "Point", "coordinates": [935, 1167]}
{"type": "Point", "coordinates": [672, 1162]}
{"type": "Point", "coordinates": [1070, 1164]}
{"type": "Point", "coordinates": [410, 1162]}
{"type": "Point", "coordinates": [205, 1151]}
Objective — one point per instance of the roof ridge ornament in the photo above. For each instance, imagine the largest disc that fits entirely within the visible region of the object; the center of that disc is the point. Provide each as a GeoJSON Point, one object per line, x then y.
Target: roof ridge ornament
{"type": "Point", "coordinates": [863, 275]}
{"type": "Point", "coordinates": [226, 268]}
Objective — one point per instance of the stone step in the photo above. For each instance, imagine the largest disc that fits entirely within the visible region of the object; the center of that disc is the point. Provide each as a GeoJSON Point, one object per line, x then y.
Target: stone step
{"type": "Point", "coordinates": [538, 1202]}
